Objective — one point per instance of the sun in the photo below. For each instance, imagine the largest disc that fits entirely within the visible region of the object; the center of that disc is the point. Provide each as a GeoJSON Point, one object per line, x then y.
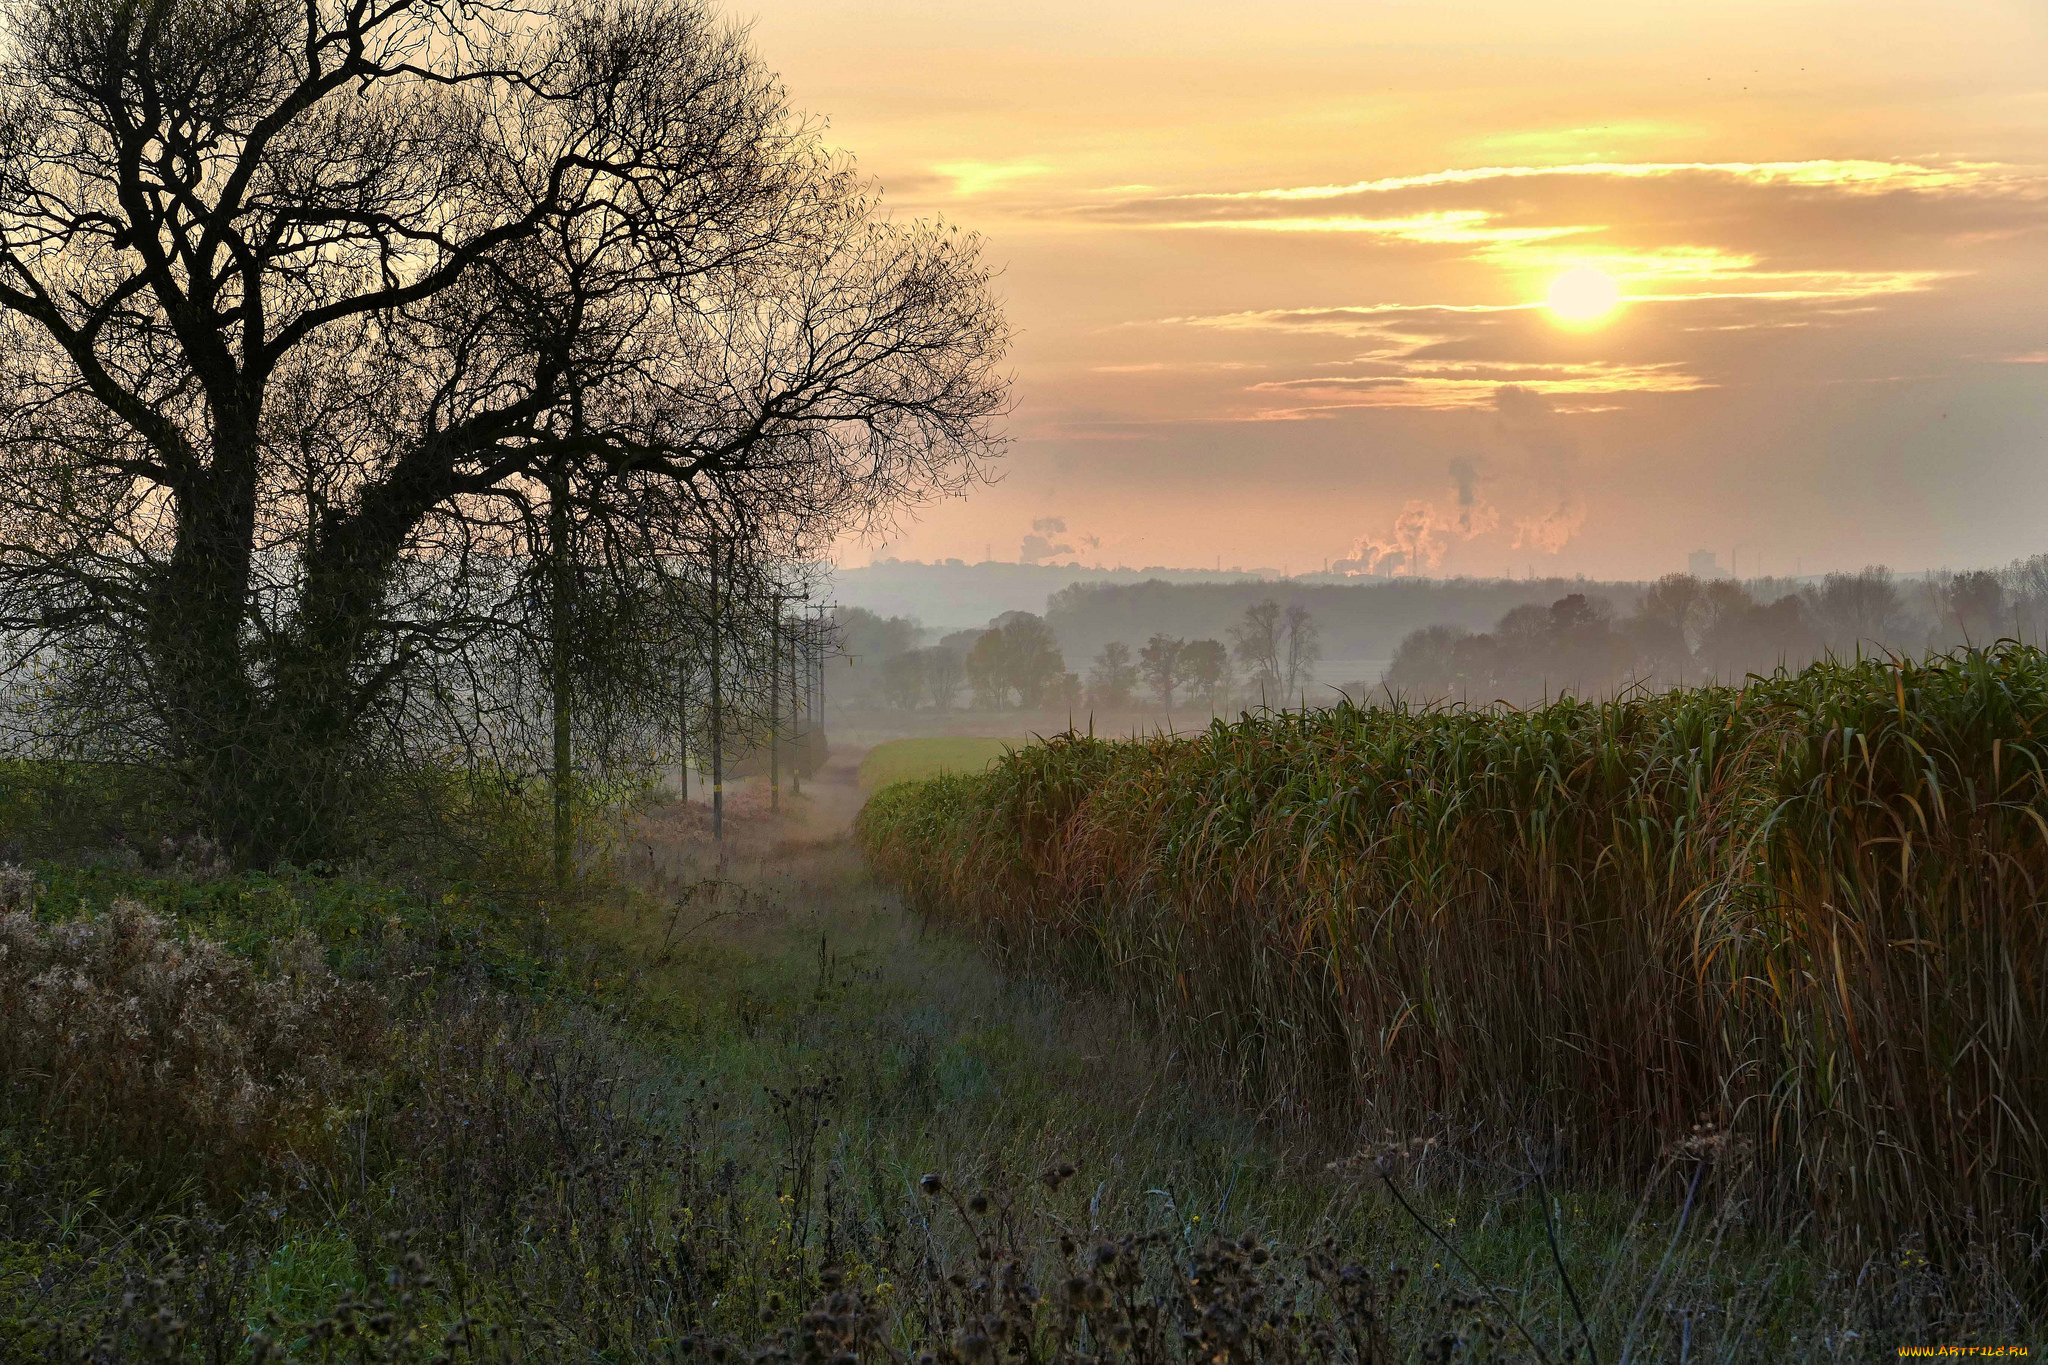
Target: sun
{"type": "Point", "coordinates": [1583, 296]}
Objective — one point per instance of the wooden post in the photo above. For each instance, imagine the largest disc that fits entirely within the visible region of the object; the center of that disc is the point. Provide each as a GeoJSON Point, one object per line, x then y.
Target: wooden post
{"type": "Point", "coordinates": [774, 702]}
{"type": "Point", "coordinates": [796, 650]}
{"type": "Point", "coordinates": [717, 715]}
{"type": "Point", "coordinates": [683, 727]}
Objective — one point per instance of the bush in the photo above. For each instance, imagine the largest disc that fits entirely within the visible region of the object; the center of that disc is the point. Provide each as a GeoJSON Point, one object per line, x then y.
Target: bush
{"type": "Point", "coordinates": [158, 1053]}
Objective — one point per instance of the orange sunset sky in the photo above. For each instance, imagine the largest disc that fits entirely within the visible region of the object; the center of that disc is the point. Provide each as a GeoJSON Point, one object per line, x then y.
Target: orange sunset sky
{"type": "Point", "coordinates": [1286, 278]}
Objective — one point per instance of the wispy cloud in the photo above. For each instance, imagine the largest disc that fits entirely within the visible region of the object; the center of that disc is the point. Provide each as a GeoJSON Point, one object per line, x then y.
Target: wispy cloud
{"type": "Point", "coordinates": [1868, 177]}
{"type": "Point", "coordinates": [1455, 226]}
{"type": "Point", "coordinates": [1175, 367]}
{"type": "Point", "coordinates": [1474, 386]}
{"type": "Point", "coordinates": [971, 178]}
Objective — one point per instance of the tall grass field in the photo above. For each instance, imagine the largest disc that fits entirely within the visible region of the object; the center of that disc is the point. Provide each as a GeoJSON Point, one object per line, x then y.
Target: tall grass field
{"type": "Point", "coordinates": [1785, 940]}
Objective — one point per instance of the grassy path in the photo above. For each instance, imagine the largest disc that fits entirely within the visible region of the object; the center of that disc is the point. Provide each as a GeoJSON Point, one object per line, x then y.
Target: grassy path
{"type": "Point", "coordinates": [801, 991]}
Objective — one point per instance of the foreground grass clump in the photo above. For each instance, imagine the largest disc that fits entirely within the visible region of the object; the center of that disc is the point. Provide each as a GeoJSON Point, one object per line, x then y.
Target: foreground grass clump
{"type": "Point", "coordinates": [1798, 924]}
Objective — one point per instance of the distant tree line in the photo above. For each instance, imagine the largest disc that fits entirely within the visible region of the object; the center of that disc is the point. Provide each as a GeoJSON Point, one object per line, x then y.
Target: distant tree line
{"type": "Point", "coordinates": [1687, 630]}
{"type": "Point", "coordinates": [1017, 664]}
{"type": "Point", "coordinates": [1588, 639]}
{"type": "Point", "coordinates": [1357, 620]}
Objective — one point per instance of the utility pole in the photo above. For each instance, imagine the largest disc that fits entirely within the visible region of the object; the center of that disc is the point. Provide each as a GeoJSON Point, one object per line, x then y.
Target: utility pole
{"type": "Point", "coordinates": [774, 702]}
{"type": "Point", "coordinates": [560, 586]}
{"type": "Point", "coordinates": [796, 649]}
{"type": "Point", "coordinates": [683, 727]}
{"type": "Point", "coordinates": [717, 715]}
{"type": "Point", "coordinates": [814, 676]}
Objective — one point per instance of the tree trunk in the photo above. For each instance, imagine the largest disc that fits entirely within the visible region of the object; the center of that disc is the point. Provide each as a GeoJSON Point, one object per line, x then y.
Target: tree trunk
{"type": "Point", "coordinates": [717, 718]}
{"type": "Point", "coordinates": [210, 704]}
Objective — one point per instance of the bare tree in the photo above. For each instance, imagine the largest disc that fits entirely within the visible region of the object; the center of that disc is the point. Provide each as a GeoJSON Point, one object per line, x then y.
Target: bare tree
{"type": "Point", "coordinates": [1857, 612]}
{"type": "Point", "coordinates": [1256, 640]}
{"type": "Point", "coordinates": [1279, 648]}
{"type": "Point", "coordinates": [324, 322]}
{"type": "Point", "coordinates": [1304, 647]}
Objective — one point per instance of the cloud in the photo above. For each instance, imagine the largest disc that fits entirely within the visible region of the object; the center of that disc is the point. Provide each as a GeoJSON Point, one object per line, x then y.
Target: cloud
{"type": "Point", "coordinates": [1540, 478]}
{"type": "Point", "coordinates": [1422, 530]}
{"type": "Point", "coordinates": [1042, 544]}
{"type": "Point", "coordinates": [1854, 176]}
{"type": "Point", "coordinates": [1770, 236]}
{"type": "Point", "coordinates": [971, 178]}
{"type": "Point", "coordinates": [1460, 384]}
{"type": "Point", "coordinates": [1456, 226]}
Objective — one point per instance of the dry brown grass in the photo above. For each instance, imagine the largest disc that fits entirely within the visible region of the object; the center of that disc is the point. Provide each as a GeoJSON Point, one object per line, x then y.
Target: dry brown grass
{"type": "Point", "coordinates": [172, 1056]}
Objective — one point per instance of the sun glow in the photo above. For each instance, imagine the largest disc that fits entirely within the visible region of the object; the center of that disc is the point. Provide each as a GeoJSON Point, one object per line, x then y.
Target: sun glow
{"type": "Point", "coordinates": [1583, 295]}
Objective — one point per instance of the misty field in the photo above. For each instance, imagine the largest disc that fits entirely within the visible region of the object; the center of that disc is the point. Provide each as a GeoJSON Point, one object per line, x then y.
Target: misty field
{"type": "Point", "coordinates": [922, 756]}
{"type": "Point", "coordinates": [1781, 943]}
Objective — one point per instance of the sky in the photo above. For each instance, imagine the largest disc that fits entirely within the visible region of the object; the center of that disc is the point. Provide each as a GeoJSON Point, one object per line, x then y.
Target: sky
{"type": "Point", "coordinates": [1300, 284]}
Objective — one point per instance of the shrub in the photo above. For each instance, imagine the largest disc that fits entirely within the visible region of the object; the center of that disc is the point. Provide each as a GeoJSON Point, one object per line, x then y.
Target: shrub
{"type": "Point", "coordinates": [153, 1052]}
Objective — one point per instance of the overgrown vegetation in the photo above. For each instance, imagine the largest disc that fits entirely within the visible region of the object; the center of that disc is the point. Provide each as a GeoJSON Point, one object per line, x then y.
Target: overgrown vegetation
{"type": "Point", "coordinates": [1790, 931]}
{"type": "Point", "coordinates": [770, 1118]}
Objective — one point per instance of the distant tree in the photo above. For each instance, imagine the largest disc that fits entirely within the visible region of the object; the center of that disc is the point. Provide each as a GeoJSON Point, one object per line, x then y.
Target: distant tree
{"type": "Point", "coordinates": [866, 643]}
{"type": "Point", "coordinates": [945, 672]}
{"type": "Point", "coordinates": [1256, 640]}
{"type": "Point", "coordinates": [1279, 648]}
{"type": "Point", "coordinates": [2026, 583]}
{"type": "Point", "coordinates": [1159, 663]}
{"type": "Point", "coordinates": [1018, 657]}
{"type": "Point", "coordinates": [1976, 604]}
{"type": "Point", "coordinates": [1113, 677]}
{"type": "Point", "coordinates": [1670, 626]}
{"type": "Point", "coordinates": [1581, 652]}
{"type": "Point", "coordinates": [1425, 666]}
{"type": "Point", "coordinates": [1037, 669]}
{"type": "Point", "coordinates": [988, 671]}
{"type": "Point", "coordinates": [1857, 611]}
{"type": "Point", "coordinates": [1524, 630]}
{"type": "Point", "coordinates": [1072, 694]}
{"type": "Point", "coordinates": [903, 679]}
{"type": "Point", "coordinates": [1304, 647]}
{"type": "Point", "coordinates": [1205, 665]}
{"type": "Point", "coordinates": [1778, 636]}
{"type": "Point", "coordinates": [864, 634]}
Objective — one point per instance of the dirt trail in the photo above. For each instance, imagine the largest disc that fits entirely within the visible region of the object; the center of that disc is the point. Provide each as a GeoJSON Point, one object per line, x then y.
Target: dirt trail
{"type": "Point", "coordinates": [820, 814]}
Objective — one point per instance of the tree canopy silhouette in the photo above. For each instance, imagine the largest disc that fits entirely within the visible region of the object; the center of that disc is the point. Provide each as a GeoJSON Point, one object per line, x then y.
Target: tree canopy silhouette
{"type": "Point", "coordinates": [313, 309]}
